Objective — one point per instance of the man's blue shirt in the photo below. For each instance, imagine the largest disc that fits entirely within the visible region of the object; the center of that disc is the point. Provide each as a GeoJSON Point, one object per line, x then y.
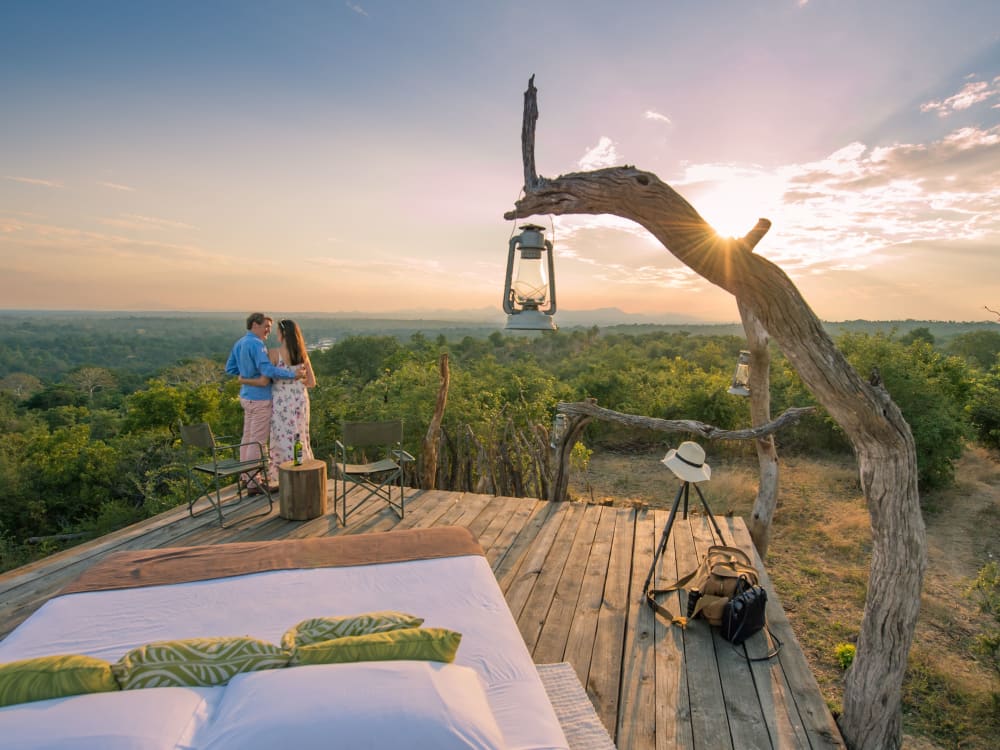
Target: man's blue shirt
{"type": "Point", "coordinates": [249, 359]}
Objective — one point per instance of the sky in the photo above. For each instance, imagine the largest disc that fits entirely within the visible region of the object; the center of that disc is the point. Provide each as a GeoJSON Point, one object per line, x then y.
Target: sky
{"type": "Point", "coordinates": [359, 156]}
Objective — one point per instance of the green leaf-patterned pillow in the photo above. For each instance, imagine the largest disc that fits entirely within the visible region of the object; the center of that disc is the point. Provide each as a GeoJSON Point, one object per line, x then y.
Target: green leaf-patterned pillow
{"type": "Point", "coordinates": [195, 662]}
{"type": "Point", "coordinates": [424, 644]}
{"type": "Point", "coordinates": [319, 629]}
{"type": "Point", "coordinates": [54, 677]}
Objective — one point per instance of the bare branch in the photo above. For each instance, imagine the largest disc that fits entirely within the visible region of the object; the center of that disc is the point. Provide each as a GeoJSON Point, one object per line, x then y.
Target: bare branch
{"type": "Point", "coordinates": [756, 234]}
{"type": "Point", "coordinates": [590, 409]}
{"type": "Point", "coordinates": [528, 136]}
{"type": "Point", "coordinates": [992, 311]}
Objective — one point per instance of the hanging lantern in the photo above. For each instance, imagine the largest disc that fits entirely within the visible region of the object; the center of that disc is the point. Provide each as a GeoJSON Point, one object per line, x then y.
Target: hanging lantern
{"type": "Point", "coordinates": [529, 297]}
{"type": "Point", "coordinates": [741, 378]}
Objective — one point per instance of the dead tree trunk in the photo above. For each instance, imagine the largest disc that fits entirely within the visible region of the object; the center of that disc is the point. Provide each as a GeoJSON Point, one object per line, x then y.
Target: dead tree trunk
{"type": "Point", "coordinates": [880, 436]}
{"type": "Point", "coordinates": [432, 440]}
{"type": "Point", "coordinates": [760, 413]}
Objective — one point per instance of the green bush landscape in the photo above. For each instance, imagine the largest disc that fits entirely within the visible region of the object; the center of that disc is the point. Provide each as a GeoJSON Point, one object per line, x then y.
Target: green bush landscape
{"type": "Point", "coordinates": [90, 407]}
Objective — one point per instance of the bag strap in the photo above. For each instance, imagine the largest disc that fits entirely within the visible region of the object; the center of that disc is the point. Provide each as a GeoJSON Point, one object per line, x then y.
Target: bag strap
{"type": "Point", "coordinates": [671, 618]}
{"type": "Point", "coordinates": [770, 654]}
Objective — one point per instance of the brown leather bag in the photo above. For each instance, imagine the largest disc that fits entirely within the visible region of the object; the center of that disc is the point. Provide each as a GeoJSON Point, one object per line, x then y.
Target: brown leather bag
{"type": "Point", "coordinates": [724, 572]}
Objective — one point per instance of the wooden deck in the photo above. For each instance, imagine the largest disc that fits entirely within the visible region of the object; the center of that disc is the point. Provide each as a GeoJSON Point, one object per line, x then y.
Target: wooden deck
{"type": "Point", "coordinates": [573, 577]}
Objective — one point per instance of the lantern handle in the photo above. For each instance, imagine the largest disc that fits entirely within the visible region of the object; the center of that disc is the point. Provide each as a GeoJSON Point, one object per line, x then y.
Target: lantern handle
{"type": "Point", "coordinates": [508, 307]}
{"type": "Point", "coordinates": [552, 280]}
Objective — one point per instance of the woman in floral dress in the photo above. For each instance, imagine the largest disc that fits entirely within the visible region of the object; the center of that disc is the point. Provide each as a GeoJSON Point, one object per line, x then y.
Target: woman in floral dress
{"type": "Point", "coordinates": [289, 398]}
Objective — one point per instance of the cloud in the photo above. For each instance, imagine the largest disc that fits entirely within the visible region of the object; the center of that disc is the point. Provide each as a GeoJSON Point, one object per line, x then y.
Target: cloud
{"type": "Point", "coordinates": [855, 210]}
{"type": "Point", "coordinates": [35, 181]}
{"type": "Point", "coordinates": [859, 201]}
{"type": "Point", "coordinates": [651, 115]}
{"type": "Point", "coordinates": [116, 186]}
{"type": "Point", "coordinates": [970, 94]}
{"type": "Point", "coordinates": [601, 155]}
{"type": "Point", "coordinates": [135, 221]}
{"type": "Point", "coordinates": [357, 9]}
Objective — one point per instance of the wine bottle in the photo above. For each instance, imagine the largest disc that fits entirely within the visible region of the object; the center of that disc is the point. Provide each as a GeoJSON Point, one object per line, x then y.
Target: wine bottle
{"type": "Point", "coordinates": [297, 451]}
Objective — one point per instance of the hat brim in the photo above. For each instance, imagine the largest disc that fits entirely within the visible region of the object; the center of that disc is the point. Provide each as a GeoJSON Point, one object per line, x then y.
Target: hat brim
{"type": "Point", "coordinates": [686, 471]}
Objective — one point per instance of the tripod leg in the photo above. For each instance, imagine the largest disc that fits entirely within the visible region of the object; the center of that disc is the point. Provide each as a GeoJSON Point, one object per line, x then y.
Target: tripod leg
{"type": "Point", "coordinates": [708, 512]}
{"type": "Point", "coordinates": [662, 546]}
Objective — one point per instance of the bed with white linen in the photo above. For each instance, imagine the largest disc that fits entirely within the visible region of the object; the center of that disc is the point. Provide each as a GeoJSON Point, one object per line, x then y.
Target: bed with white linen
{"type": "Point", "coordinates": [491, 696]}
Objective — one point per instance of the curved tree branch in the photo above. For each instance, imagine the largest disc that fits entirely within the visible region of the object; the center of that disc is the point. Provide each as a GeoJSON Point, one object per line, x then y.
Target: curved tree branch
{"type": "Point", "coordinates": [882, 441]}
{"type": "Point", "coordinates": [710, 432]}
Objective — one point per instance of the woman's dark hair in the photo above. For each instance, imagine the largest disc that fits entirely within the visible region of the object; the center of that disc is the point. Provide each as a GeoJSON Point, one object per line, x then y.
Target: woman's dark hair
{"type": "Point", "coordinates": [294, 342]}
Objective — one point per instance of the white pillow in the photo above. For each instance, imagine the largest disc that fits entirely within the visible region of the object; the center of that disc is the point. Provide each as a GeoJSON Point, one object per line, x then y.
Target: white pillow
{"type": "Point", "coordinates": [154, 719]}
{"type": "Point", "coordinates": [399, 704]}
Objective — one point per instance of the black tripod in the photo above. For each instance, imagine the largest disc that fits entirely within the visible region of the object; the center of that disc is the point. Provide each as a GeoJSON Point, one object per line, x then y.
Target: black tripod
{"type": "Point", "coordinates": [683, 491]}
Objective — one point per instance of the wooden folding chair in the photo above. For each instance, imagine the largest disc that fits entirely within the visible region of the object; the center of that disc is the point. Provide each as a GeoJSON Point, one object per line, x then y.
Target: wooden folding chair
{"type": "Point", "coordinates": [370, 455]}
{"type": "Point", "coordinates": [211, 465]}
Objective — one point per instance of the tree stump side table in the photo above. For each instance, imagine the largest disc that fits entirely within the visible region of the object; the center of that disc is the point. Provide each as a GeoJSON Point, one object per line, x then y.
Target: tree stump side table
{"type": "Point", "coordinates": [302, 490]}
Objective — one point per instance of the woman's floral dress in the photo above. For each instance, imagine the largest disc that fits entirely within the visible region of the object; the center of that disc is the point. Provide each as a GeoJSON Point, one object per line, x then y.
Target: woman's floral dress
{"type": "Point", "coordinates": [289, 417]}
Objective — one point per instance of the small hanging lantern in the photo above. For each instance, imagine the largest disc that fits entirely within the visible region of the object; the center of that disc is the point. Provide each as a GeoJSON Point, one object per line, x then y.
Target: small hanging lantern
{"type": "Point", "coordinates": [529, 296]}
{"type": "Point", "coordinates": [741, 378]}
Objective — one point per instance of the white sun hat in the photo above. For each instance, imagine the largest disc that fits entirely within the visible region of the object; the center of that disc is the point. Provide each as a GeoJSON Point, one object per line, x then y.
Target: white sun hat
{"type": "Point", "coordinates": [687, 461]}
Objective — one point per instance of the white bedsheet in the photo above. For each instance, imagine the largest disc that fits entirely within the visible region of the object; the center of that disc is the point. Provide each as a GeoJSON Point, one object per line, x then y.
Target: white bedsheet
{"type": "Point", "coordinates": [460, 593]}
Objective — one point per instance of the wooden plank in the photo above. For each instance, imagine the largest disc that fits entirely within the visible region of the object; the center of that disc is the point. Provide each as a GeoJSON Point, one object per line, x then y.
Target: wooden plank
{"type": "Point", "coordinates": [606, 662]}
{"type": "Point", "coordinates": [583, 630]}
{"type": "Point", "coordinates": [637, 705]}
{"type": "Point", "coordinates": [520, 589]}
{"type": "Point", "coordinates": [507, 564]}
{"type": "Point", "coordinates": [777, 707]}
{"type": "Point", "coordinates": [797, 692]}
{"type": "Point", "coordinates": [506, 507]}
{"type": "Point", "coordinates": [465, 512]}
{"type": "Point", "coordinates": [515, 523]}
{"type": "Point", "coordinates": [424, 512]}
{"type": "Point", "coordinates": [482, 522]}
{"type": "Point", "coordinates": [536, 607]}
{"type": "Point", "coordinates": [673, 707]}
{"type": "Point", "coordinates": [551, 644]}
{"type": "Point", "coordinates": [458, 507]}
{"type": "Point", "coordinates": [742, 705]}
{"type": "Point", "coordinates": [709, 724]}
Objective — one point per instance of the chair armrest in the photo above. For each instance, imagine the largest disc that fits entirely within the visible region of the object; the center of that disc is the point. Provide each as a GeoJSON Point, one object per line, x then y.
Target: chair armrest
{"type": "Point", "coordinates": [339, 453]}
{"type": "Point", "coordinates": [236, 446]}
{"type": "Point", "coordinates": [403, 455]}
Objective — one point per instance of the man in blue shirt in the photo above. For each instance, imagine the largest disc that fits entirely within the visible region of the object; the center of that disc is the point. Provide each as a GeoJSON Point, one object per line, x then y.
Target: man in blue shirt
{"type": "Point", "coordinates": [249, 359]}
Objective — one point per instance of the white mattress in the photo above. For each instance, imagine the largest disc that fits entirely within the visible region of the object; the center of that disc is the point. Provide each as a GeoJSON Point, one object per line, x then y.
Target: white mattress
{"type": "Point", "coordinates": [459, 593]}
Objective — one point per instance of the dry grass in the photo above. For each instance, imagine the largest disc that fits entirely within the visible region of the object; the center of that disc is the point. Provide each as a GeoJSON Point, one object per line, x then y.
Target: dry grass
{"type": "Point", "coordinates": [818, 560]}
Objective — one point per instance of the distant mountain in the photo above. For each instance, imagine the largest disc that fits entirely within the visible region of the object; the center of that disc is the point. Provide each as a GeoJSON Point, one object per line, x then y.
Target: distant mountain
{"type": "Point", "coordinates": [612, 316]}
{"type": "Point", "coordinates": [601, 317]}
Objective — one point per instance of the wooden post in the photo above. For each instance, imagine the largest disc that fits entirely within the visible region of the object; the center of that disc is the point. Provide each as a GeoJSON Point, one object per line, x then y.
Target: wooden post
{"type": "Point", "coordinates": [432, 440]}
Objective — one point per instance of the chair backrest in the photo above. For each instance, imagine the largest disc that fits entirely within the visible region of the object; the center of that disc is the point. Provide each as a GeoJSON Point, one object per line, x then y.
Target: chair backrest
{"type": "Point", "coordinates": [199, 435]}
{"type": "Point", "coordinates": [362, 434]}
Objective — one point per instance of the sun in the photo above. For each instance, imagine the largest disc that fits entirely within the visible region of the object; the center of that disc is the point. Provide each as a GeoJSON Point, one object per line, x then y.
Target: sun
{"type": "Point", "coordinates": [731, 209]}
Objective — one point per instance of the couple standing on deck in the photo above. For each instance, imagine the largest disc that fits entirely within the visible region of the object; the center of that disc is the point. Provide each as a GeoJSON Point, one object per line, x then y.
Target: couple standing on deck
{"type": "Point", "coordinates": [273, 393]}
